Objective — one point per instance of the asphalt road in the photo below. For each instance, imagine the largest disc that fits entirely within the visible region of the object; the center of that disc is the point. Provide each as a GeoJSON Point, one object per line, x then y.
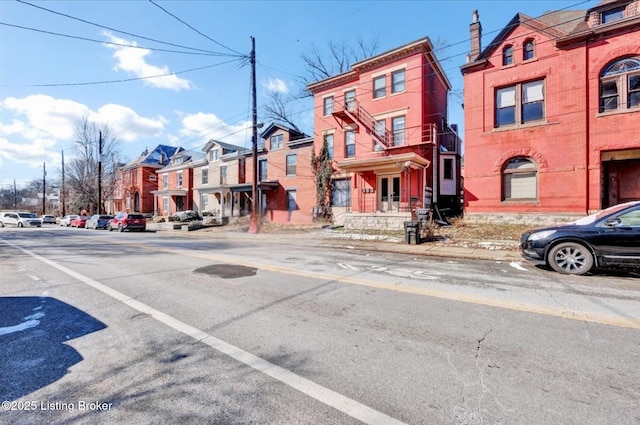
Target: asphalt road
{"type": "Point", "coordinates": [101, 327]}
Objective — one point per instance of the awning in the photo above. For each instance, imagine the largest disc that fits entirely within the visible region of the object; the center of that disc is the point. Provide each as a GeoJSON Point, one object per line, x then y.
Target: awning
{"type": "Point", "coordinates": [384, 164]}
{"type": "Point", "coordinates": [248, 187]}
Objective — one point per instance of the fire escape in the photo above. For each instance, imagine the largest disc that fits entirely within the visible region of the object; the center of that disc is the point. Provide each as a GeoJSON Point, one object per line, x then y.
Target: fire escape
{"type": "Point", "coordinates": [350, 112]}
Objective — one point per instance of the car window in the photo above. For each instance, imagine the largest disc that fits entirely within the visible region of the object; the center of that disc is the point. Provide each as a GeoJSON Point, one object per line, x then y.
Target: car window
{"type": "Point", "coordinates": [135, 216]}
{"type": "Point", "coordinates": [630, 218]}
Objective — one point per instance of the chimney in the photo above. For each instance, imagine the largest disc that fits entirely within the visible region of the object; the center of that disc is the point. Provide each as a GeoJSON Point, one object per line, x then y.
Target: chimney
{"type": "Point", "coordinates": [476, 33]}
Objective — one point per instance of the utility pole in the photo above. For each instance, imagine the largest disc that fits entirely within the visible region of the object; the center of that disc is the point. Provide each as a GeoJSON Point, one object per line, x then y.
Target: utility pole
{"type": "Point", "coordinates": [254, 225]}
{"type": "Point", "coordinates": [64, 198]}
{"type": "Point", "coordinates": [44, 188]}
{"type": "Point", "coordinates": [100, 174]}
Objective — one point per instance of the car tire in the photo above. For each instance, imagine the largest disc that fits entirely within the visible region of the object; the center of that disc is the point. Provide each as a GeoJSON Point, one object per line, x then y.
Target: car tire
{"type": "Point", "coordinates": [20, 224]}
{"type": "Point", "coordinates": [570, 258]}
{"type": "Point", "coordinates": [120, 228]}
{"type": "Point", "coordinates": [109, 228]}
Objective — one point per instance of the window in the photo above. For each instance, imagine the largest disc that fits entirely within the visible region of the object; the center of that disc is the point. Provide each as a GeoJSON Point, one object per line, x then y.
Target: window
{"type": "Point", "coordinates": [527, 51]}
{"type": "Point", "coordinates": [349, 144]}
{"type": "Point", "coordinates": [328, 139]}
{"type": "Point", "coordinates": [204, 202]}
{"type": "Point", "coordinates": [380, 135]}
{"type": "Point", "coordinates": [350, 100]}
{"type": "Point", "coordinates": [262, 169]}
{"type": "Point", "coordinates": [223, 174]}
{"type": "Point", "coordinates": [277, 141]}
{"type": "Point", "coordinates": [214, 154]}
{"type": "Point", "coordinates": [507, 55]}
{"type": "Point", "coordinates": [291, 164]}
{"type": "Point", "coordinates": [379, 87]}
{"type": "Point", "coordinates": [205, 176]}
{"type": "Point", "coordinates": [292, 203]}
{"type": "Point", "coordinates": [165, 204]}
{"type": "Point", "coordinates": [620, 85]}
{"type": "Point", "coordinates": [397, 130]}
{"type": "Point", "coordinates": [179, 175]}
{"type": "Point", "coordinates": [520, 180]}
{"type": "Point", "coordinates": [327, 106]}
{"type": "Point", "coordinates": [612, 15]}
{"type": "Point", "coordinates": [165, 181]}
{"type": "Point", "coordinates": [521, 103]}
{"type": "Point", "coordinates": [397, 81]}
{"type": "Point", "coordinates": [448, 169]}
{"type": "Point", "coordinates": [341, 193]}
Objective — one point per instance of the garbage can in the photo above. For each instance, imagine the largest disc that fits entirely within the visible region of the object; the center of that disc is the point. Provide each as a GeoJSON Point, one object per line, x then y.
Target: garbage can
{"type": "Point", "coordinates": [412, 231]}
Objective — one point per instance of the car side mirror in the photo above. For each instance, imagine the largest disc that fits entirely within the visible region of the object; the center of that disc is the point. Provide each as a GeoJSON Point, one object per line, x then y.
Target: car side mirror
{"type": "Point", "coordinates": [613, 222]}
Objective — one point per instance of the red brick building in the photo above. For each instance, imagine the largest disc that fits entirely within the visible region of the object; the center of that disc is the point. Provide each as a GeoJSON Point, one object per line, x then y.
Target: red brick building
{"type": "Point", "coordinates": [175, 183]}
{"type": "Point", "coordinates": [385, 124]}
{"type": "Point", "coordinates": [552, 112]}
{"type": "Point", "coordinates": [136, 181]}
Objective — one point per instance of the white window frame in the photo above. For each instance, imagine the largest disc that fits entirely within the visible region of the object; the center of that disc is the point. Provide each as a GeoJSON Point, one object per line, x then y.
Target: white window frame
{"type": "Point", "coordinates": [204, 175]}
{"type": "Point", "coordinates": [517, 97]}
{"type": "Point", "coordinates": [327, 106]}
{"type": "Point", "coordinates": [520, 180]}
{"type": "Point", "coordinates": [350, 144]}
{"type": "Point", "coordinates": [379, 90]}
{"type": "Point", "coordinates": [621, 79]}
{"type": "Point", "coordinates": [398, 130]}
{"type": "Point", "coordinates": [276, 142]}
{"type": "Point", "coordinates": [398, 86]}
{"type": "Point", "coordinates": [292, 165]}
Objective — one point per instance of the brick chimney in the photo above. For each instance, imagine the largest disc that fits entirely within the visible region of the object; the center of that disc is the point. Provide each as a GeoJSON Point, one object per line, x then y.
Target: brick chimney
{"type": "Point", "coordinates": [476, 33]}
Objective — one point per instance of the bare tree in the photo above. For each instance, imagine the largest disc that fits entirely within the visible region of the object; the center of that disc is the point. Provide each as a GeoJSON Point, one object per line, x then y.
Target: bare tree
{"type": "Point", "coordinates": [81, 173]}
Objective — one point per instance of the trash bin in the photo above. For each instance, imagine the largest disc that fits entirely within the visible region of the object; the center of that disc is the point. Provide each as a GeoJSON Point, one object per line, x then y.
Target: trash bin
{"type": "Point", "coordinates": [412, 231]}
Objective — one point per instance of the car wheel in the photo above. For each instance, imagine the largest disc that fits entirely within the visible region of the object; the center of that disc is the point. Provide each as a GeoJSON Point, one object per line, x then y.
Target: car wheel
{"type": "Point", "coordinates": [109, 228]}
{"type": "Point", "coordinates": [570, 258]}
{"type": "Point", "coordinates": [120, 229]}
{"type": "Point", "coordinates": [20, 224]}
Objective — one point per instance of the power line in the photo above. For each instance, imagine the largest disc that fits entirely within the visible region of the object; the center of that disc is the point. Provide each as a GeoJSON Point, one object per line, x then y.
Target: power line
{"type": "Point", "coordinates": [113, 43]}
{"type": "Point", "coordinates": [194, 29]}
{"type": "Point", "coordinates": [116, 30]}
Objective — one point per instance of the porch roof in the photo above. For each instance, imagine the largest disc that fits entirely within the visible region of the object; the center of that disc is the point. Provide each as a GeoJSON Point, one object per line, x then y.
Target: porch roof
{"type": "Point", "coordinates": [248, 187]}
{"type": "Point", "coordinates": [170, 192]}
{"type": "Point", "coordinates": [384, 164]}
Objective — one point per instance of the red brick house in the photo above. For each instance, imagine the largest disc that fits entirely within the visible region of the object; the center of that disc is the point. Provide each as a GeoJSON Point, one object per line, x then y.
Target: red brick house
{"type": "Point", "coordinates": [552, 112]}
{"type": "Point", "coordinates": [286, 182]}
{"type": "Point", "coordinates": [385, 124]}
{"type": "Point", "coordinates": [175, 183]}
{"type": "Point", "coordinates": [136, 181]}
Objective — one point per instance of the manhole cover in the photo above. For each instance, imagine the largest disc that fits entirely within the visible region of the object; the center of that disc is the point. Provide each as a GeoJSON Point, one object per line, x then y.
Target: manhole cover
{"type": "Point", "coordinates": [227, 271]}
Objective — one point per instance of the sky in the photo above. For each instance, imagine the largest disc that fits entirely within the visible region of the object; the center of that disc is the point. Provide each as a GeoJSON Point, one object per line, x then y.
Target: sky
{"type": "Point", "coordinates": [176, 72]}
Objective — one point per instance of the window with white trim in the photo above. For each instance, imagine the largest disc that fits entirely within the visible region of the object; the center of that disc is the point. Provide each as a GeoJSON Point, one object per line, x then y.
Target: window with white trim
{"type": "Point", "coordinates": [205, 176]}
{"type": "Point", "coordinates": [223, 174]}
{"type": "Point", "coordinates": [328, 139]}
{"type": "Point", "coordinates": [165, 204]}
{"type": "Point", "coordinates": [398, 130]}
{"type": "Point", "coordinates": [165, 181]}
{"type": "Point", "coordinates": [379, 86]}
{"type": "Point", "coordinates": [204, 202]}
{"type": "Point", "coordinates": [397, 81]}
{"type": "Point", "coordinates": [292, 162]}
{"type": "Point", "coordinates": [214, 155]}
{"type": "Point", "coordinates": [277, 142]}
{"type": "Point", "coordinates": [179, 175]}
{"type": "Point", "coordinates": [507, 55]}
{"type": "Point", "coordinates": [349, 144]}
{"type": "Point", "coordinates": [520, 180]}
{"type": "Point", "coordinates": [620, 85]}
{"type": "Point", "coordinates": [521, 103]}
{"type": "Point", "coordinates": [528, 51]}
{"type": "Point", "coordinates": [341, 193]}
{"type": "Point", "coordinates": [292, 201]}
{"type": "Point", "coordinates": [327, 106]}
{"type": "Point", "coordinates": [350, 100]}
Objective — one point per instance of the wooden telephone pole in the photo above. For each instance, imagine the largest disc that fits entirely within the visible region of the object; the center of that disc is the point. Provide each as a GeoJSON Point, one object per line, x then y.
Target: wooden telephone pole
{"type": "Point", "coordinates": [254, 221]}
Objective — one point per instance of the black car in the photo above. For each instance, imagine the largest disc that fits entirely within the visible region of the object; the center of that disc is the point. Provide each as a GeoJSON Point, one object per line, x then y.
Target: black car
{"type": "Point", "coordinates": [608, 238]}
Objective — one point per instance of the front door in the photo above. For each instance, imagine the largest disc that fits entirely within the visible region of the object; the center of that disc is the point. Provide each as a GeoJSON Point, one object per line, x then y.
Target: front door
{"type": "Point", "coordinates": [179, 203]}
{"type": "Point", "coordinates": [389, 193]}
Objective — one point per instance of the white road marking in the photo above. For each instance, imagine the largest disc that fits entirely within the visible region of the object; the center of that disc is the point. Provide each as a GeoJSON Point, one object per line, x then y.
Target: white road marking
{"type": "Point", "coordinates": [325, 395]}
{"type": "Point", "coordinates": [517, 265]}
{"type": "Point", "coordinates": [346, 266]}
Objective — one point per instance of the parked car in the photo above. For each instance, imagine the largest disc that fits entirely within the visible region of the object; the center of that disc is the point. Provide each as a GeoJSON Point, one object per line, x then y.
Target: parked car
{"type": "Point", "coordinates": [79, 221]}
{"type": "Point", "coordinates": [48, 219]}
{"type": "Point", "coordinates": [98, 221]}
{"type": "Point", "coordinates": [127, 221]}
{"type": "Point", "coordinates": [608, 238]}
{"type": "Point", "coordinates": [19, 219]}
{"type": "Point", "coordinates": [66, 220]}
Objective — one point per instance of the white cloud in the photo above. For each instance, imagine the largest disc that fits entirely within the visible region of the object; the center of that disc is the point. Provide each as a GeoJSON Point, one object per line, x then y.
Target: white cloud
{"type": "Point", "coordinates": [133, 61]}
{"type": "Point", "coordinates": [198, 128]}
{"type": "Point", "coordinates": [127, 125]}
{"type": "Point", "coordinates": [276, 85]}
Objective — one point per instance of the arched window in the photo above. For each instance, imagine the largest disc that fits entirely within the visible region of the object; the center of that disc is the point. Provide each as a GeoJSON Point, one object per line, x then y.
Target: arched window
{"type": "Point", "coordinates": [620, 85]}
{"type": "Point", "coordinates": [520, 179]}
{"type": "Point", "coordinates": [527, 50]}
{"type": "Point", "coordinates": [507, 55]}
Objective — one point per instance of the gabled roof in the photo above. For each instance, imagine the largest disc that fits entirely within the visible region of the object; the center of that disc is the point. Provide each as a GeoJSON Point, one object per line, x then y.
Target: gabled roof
{"type": "Point", "coordinates": [293, 134]}
{"type": "Point", "coordinates": [189, 158]}
{"type": "Point", "coordinates": [159, 157]}
{"type": "Point", "coordinates": [226, 147]}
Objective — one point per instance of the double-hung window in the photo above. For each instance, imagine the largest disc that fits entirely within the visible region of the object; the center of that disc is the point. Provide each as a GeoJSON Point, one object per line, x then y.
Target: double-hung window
{"type": "Point", "coordinates": [379, 86]}
{"type": "Point", "coordinates": [262, 169]}
{"type": "Point", "coordinates": [223, 174]}
{"type": "Point", "coordinates": [165, 181]}
{"type": "Point", "coordinates": [398, 131]}
{"type": "Point", "coordinates": [292, 162]}
{"type": "Point", "coordinates": [327, 106]}
{"type": "Point", "coordinates": [341, 193]}
{"type": "Point", "coordinates": [328, 139]}
{"type": "Point", "coordinates": [350, 100]}
{"type": "Point", "coordinates": [521, 103]}
{"type": "Point", "coordinates": [507, 55]}
{"type": "Point", "coordinates": [277, 142]}
{"type": "Point", "coordinates": [620, 85]}
{"type": "Point", "coordinates": [397, 81]}
{"type": "Point", "coordinates": [349, 144]}
{"type": "Point", "coordinates": [179, 174]}
{"type": "Point", "coordinates": [205, 176]}
{"type": "Point", "coordinates": [528, 50]}
{"type": "Point", "coordinates": [380, 135]}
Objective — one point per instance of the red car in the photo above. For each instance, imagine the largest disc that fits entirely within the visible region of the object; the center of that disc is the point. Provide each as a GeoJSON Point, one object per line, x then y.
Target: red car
{"type": "Point", "coordinates": [79, 221]}
{"type": "Point", "coordinates": [127, 221]}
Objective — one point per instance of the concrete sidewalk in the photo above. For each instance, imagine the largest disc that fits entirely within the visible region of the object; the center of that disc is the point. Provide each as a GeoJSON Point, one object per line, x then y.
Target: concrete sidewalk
{"type": "Point", "coordinates": [480, 250]}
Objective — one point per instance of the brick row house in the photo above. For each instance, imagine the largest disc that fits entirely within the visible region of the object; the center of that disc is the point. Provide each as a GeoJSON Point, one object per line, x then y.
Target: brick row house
{"type": "Point", "coordinates": [552, 112]}
{"type": "Point", "coordinates": [385, 125]}
{"type": "Point", "coordinates": [175, 183]}
{"type": "Point", "coordinates": [136, 180]}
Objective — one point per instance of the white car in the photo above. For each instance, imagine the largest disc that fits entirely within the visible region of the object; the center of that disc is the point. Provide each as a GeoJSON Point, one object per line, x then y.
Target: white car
{"type": "Point", "coordinates": [66, 220]}
{"type": "Point", "coordinates": [20, 219]}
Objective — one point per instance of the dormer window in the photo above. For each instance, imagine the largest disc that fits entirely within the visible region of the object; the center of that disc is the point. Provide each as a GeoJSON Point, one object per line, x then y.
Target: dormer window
{"type": "Point", "coordinates": [528, 50]}
{"type": "Point", "coordinates": [214, 154]}
{"type": "Point", "coordinates": [507, 55]}
{"type": "Point", "coordinates": [277, 142]}
{"type": "Point", "coordinates": [612, 15]}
